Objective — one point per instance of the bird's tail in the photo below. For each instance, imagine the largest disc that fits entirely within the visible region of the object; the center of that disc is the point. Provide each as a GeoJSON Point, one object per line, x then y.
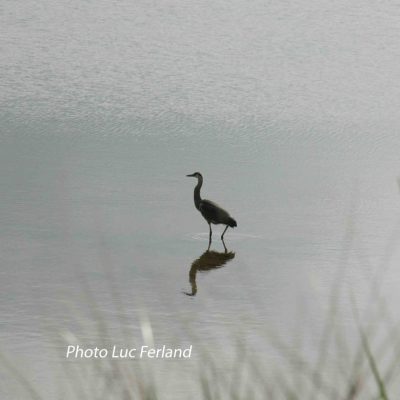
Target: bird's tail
{"type": "Point", "coordinates": [231, 222]}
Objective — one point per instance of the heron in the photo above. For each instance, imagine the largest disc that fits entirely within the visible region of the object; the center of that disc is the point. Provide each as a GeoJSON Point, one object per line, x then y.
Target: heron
{"type": "Point", "coordinates": [212, 212]}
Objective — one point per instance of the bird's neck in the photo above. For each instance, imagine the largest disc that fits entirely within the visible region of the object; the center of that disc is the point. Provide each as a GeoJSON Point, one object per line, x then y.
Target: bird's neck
{"type": "Point", "coordinates": [197, 198]}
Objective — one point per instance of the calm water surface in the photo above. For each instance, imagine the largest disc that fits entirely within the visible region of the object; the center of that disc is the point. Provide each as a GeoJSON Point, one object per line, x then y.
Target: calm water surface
{"type": "Point", "coordinates": [289, 110]}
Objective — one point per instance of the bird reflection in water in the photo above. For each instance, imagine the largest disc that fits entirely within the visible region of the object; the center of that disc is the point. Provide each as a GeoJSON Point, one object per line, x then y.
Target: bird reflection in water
{"type": "Point", "coordinates": [208, 261]}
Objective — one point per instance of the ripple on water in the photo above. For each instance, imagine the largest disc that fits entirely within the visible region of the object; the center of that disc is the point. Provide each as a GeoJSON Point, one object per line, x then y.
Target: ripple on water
{"type": "Point", "coordinates": [233, 237]}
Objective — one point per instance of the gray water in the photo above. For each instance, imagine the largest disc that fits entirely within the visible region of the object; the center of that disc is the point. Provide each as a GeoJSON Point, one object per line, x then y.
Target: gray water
{"type": "Point", "coordinates": [290, 112]}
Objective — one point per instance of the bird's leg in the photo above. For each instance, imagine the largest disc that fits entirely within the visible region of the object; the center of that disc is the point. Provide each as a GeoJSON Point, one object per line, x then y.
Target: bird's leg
{"type": "Point", "coordinates": [226, 250]}
{"type": "Point", "coordinates": [222, 238]}
{"type": "Point", "coordinates": [223, 233]}
{"type": "Point", "coordinates": [209, 239]}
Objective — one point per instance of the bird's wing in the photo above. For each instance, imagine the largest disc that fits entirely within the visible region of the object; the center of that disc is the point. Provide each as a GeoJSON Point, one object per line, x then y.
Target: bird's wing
{"type": "Point", "coordinates": [209, 209]}
{"type": "Point", "coordinates": [213, 211]}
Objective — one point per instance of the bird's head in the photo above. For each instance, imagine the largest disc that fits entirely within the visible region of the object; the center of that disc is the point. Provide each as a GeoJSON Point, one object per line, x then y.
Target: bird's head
{"type": "Point", "coordinates": [196, 175]}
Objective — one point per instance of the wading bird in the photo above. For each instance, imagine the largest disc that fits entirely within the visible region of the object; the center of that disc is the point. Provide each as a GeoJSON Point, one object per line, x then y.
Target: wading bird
{"type": "Point", "coordinates": [212, 213]}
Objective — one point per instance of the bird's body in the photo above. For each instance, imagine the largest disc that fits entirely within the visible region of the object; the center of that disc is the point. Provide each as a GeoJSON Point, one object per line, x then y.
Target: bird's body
{"type": "Point", "coordinates": [212, 212]}
{"type": "Point", "coordinates": [215, 214]}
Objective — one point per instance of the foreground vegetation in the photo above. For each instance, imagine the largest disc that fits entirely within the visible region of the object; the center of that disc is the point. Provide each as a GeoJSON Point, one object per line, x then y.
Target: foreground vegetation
{"type": "Point", "coordinates": [340, 369]}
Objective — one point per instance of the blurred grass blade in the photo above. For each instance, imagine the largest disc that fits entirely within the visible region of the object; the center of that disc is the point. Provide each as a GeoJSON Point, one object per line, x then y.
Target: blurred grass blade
{"type": "Point", "coordinates": [20, 378]}
{"type": "Point", "coordinates": [374, 368]}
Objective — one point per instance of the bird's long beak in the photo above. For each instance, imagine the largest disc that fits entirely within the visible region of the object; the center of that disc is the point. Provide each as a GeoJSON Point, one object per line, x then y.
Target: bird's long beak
{"type": "Point", "coordinates": [190, 175]}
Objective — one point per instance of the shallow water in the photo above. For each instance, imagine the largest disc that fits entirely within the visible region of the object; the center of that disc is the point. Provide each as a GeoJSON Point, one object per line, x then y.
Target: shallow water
{"type": "Point", "coordinates": [288, 110]}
